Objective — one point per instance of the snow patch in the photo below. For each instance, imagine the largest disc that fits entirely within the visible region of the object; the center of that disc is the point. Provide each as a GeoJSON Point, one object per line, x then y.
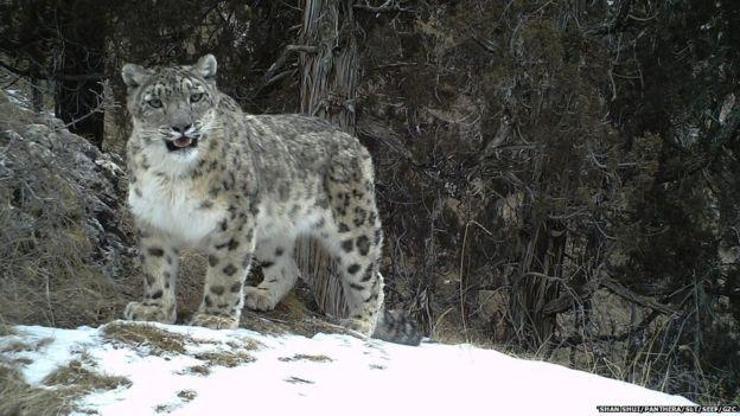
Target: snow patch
{"type": "Point", "coordinates": [327, 374]}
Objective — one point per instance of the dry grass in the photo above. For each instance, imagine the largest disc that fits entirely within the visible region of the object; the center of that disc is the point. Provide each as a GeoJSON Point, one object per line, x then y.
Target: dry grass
{"type": "Point", "coordinates": [16, 346]}
{"type": "Point", "coordinates": [247, 344]}
{"type": "Point", "coordinates": [187, 395]}
{"type": "Point", "coordinates": [291, 316]}
{"type": "Point", "coordinates": [198, 369]}
{"type": "Point", "coordinates": [75, 375]}
{"type": "Point", "coordinates": [137, 335]}
{"type": "Point", "coordinates": [225, 358]}
{"type": "Point", "coordinates": [21, 399]}
{"type": "Point", "coordinates": [306, 357]}
{"type": "Point", "coordinates": [19, 346]}
{"type": "Point", "coordinates": [448, 329]}
{"type": "Point", "coordinates": [64, 386]}
{"type": "Point", "coordinates": [238, 354]}
{"type": "Point", "coordinates": [5, 329]}
{"type": "Point", "coordinates": [49, 280]}
{"type": "Point", "coordinates": [298, 380]}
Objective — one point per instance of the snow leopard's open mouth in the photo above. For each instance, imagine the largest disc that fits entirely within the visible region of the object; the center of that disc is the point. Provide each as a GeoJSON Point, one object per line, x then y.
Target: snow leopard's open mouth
{"type": "Point", "coordinates": [182, 142]}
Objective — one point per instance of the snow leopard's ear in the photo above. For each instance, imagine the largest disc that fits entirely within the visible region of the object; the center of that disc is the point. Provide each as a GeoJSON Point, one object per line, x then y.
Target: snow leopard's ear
{"type": "Point", "coordinates": [134, 75]}
{"type": "Point", "coordinates": [206, 67]}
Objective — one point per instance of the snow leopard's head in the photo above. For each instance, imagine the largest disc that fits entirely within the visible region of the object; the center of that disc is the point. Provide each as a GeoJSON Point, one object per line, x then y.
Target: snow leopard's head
{"type": "Point", "coordinates": [173, 107]}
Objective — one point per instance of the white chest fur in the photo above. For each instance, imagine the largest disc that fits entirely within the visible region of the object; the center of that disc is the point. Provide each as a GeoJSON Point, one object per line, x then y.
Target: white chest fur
{"type": "Point", "coordinates": [175, 207]}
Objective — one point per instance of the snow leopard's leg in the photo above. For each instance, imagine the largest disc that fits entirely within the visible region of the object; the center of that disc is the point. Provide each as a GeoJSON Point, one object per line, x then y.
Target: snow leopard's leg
{"type": "Point", "coordinates": [229, 260]}
{"type": "Point", "coordinates": [354, 236]}
{"type": "Point", "coordinates": [159, 261]}
{"type": "Point", "coordinates": [280, 273]}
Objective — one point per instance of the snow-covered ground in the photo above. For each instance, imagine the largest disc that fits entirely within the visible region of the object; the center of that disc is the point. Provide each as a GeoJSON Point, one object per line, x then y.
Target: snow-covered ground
{"type": "Point", "coordinates": [241, 372]}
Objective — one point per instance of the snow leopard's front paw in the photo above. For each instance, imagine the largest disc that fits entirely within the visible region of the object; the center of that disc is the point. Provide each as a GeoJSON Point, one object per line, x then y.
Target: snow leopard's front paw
{"type": "Point", "coordinates": [215, 321]}
{"type": "Point", "coordinates": [259, 299]}
{"type": "Point", "coordinates": [147, 311]}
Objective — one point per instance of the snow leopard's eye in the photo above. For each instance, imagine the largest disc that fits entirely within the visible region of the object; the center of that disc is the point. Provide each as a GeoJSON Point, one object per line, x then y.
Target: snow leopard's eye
{"type": "Point", "coordinates": [194, 98]}
{"type": "Point", "coordinates": [155, 103]}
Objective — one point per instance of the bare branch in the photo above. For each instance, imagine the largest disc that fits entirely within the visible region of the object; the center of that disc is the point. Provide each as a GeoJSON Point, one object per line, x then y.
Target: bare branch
{"type": "Point", "coordinates": [52, 76]}
{"type": "Point", "coordinates": [621, 291]}
{"type": "Point", "coordinates": [386, 8]}
{"type": "Point", "coordinates": [302, 48]}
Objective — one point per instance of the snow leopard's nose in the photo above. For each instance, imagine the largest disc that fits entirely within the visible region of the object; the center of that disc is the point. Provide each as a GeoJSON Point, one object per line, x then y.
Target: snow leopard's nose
{"type": "Point", "coordinates": [181, 128]}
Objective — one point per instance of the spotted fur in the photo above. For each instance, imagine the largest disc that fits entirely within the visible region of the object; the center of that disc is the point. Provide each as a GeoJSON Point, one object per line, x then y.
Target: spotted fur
{"type": "Point", "coordinates": [243, 187]}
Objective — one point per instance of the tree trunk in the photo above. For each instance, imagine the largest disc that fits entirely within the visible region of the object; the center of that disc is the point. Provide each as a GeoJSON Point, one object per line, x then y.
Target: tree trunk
{"type": "Point", "coordinates": [328, 90]}
{"type": "Point", "coordinates": [37, 95]}
{"type": "Point", "coordinates": [329, 76]}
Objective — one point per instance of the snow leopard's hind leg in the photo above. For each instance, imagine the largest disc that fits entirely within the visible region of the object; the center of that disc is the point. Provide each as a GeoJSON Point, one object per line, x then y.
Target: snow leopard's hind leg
{"type": "Point", "coordinates": [280, 273]}
{"type": "Point", "coordinates": [353, 236]}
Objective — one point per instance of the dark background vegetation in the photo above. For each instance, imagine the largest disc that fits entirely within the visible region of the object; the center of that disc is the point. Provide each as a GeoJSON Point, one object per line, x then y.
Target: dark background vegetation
{"type": "Point", "coordinates": [558, 178]}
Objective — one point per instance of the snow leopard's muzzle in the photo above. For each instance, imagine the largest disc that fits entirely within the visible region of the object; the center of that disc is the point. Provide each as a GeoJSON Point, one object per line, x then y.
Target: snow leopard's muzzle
{"type": "Point", "coordinates": [183, 134]}
{"type": "Point", "coordinates": [181, 137]}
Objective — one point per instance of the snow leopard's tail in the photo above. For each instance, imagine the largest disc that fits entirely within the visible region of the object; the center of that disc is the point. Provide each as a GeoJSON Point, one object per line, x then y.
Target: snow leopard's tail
{"type": "Point", "coordinates": [397, 326]}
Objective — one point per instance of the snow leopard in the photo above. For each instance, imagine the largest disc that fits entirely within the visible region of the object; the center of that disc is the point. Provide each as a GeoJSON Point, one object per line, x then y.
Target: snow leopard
{"type": "Point", "coordinates": [203, 174]}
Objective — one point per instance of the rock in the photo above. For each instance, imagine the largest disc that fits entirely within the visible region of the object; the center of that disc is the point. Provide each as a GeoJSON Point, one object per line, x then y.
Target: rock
{"type": "Point", "coordinates": [61, 213]}
{"type": "Point", "coordinates": [492, 306]}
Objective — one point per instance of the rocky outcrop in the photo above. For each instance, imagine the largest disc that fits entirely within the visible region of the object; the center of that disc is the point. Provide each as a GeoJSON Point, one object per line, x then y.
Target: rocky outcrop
{"type": "Point", "coordinates": [62, 231]}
